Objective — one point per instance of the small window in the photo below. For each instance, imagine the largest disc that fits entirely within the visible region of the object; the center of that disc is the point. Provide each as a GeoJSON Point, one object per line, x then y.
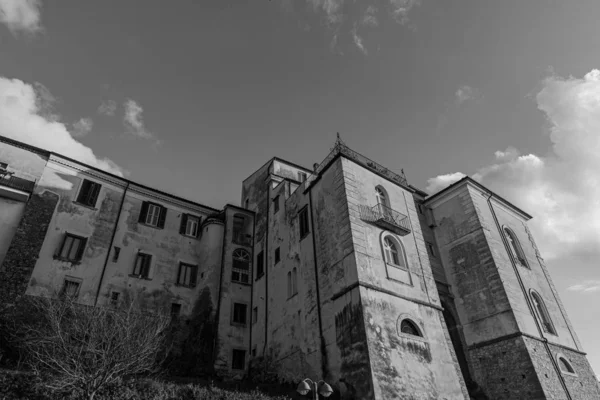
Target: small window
{"type": "Point", "coordinates": [114, 299]}
{"type": "Point", "coordinates": [430, 249]}
{"type": "Point", "coordinates": [515, 247]}
{"type": "Point", "coordinates": [116, 252]}
{"type": "Point", "coordinates": [153, 214]}
{"type": "Point", "coordinates": [276, 204]}
{"type": "Point", "coordinates": [190, 225]}
{"type": "Point", "coordinates": [3, 166]}
{"type": "Point", "coordinates": [72, 248]}
{"type": "Point", "coordinates": [187, 275]}
{"type": "Point", "coordinates": [301, 176]}
{"type": "Point", "coordinates": [277, 255]}
{"type": "Point", "coordinates": [303, 219]}
{"type": "Point", "coordinates": [247, 204]}
{"type": "Point", "coordinates": [238, 359]}
{"type": "Point", "coordinates": [70, 288]}
{"type": "Point", "coordinates": [565, 366]}
{"type": "Point", "coordinates": [260, 264]}
{"type": "Point", "coordinates": [175, 310]}
{"type": "Point", "coordinates": [420, 208]}
{"type": "Point", "coordinates": [393, 253]}
{"type": "Point", "coordinates": [410, 328]}
{"type": "Point", "coordinates": [395, 259]}
{"type": "Point", "coordinates": [254, 315]}
{"type": "Point", "coordinates": [142, 265]}
{"type": "Point", "coordinates": [240, 270]}
{"type": "Point", "coordinates": [254, 351]}
{"type": "Point", "coordinates": [239, 313]}
{"type": "Point", "coordinates": [542, 313]}
{"type": "Point", "coordinates": [88, 194]}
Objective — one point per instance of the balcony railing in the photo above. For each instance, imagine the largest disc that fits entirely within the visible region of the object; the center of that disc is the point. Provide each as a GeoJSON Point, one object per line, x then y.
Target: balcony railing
{"type": "Point", "coordinates": [17, 183]}
{"type": "Point", "coordinates": [386, 218]}
{"type": "Point", "coordinates": [243, 239]}
{"type": "Point", "coordinates": [341, 148]}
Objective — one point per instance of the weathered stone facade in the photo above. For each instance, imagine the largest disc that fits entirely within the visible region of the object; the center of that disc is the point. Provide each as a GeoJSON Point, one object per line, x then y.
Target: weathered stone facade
{"type": "Point", "coordinates": [343, 273]}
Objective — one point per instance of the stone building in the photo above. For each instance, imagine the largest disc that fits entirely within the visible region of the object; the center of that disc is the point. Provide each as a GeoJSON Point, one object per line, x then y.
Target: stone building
{"type": "Point", "coordinates": [343, 272]}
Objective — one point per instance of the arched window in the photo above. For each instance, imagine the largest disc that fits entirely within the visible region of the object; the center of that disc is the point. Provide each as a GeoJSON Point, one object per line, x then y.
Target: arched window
{"type": "Point", "coordinates": [395, 259]}
{"type": "Point", "coordinates": [515, 247]}
{"type": "Point", "coordinates": [542, 313]}
{"type": "Point", "coordinates": [240, 270]}
{"type": "Point", "coordinates": [382, 197]}
{"type": "Point", "coordinates": [565, 366]}
{"type": "Point", "coordinates": [410, 328]}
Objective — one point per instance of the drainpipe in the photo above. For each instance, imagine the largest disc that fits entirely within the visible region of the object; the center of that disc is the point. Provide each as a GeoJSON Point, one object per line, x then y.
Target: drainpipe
{"type": "Point", "coordinates": [252, 292]}
{"type": "Point", "coordinates": [322, 344]}
{"type": "Point", "coordinates": [112, 239]}
{"type": "Point", "coordinates": [218, 314]}
{"type": "Point", "coordinates": [267, 257]}
{"type": "Point", "coordinates": [527, 299]}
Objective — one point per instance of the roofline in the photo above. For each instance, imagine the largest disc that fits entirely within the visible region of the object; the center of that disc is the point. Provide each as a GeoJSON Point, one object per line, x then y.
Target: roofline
{"type": "Point", "coordinates": [419, 191]}
{"type": "Point", "coordinates": [473, 182]}
{"type": "Point", "coordinates": [48, 153]}
{"type": "Point", "coordinates": [280, 160]}
{"type": "Point", "coordinates": [229, 205]}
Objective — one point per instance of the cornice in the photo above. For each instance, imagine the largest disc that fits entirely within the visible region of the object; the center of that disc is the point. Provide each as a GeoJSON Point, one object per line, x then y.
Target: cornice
{"type": "Point", "coordinates": [109, 178]}
{"type": "Point", "coordinates": [151, 194]}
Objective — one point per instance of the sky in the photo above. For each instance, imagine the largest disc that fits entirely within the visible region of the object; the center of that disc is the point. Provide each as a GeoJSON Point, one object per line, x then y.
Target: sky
{"type": "Point", "coordinates": [192, 97]}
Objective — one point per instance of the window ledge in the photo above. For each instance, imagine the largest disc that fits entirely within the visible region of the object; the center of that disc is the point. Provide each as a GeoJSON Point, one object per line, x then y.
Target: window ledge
{"type": "Point", "coordinates": [140, 277]}
{"type": "Point", "coordinates": [188, 236]}
{"type": "Point", "coordinates": [569, 373]}
{"type": "Point", "coordinates": [73, 262]}
{"type": "Point", "coordinates": [242, 283]}
{"type": "Point", "coordinates": [239, 324]}
{"type": "Point", "coordinates": [148, 225]}
{"type": "Point", "coordinates": [86, 205]}
{"type": "Point", "coordinates": [397, 266]}
{"type": "Point", "coordinates": [412, 337]}
{"type": "Point", "coordinates": [185, 286]}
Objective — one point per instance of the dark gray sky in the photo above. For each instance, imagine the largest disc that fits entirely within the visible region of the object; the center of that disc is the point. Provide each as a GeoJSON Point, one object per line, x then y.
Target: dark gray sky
{"type": "Point", "coordinates": [197, 95]}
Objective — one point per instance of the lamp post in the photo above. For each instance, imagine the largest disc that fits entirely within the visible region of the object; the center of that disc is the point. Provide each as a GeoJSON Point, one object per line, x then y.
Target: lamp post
{"type": "Point", "coordinates": [319, 387]}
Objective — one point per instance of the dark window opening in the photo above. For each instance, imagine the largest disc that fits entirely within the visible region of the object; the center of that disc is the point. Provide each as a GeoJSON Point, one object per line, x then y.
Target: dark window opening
{"type": "Point", "coordinates": [276, 204]}
{"type": "Point", "coordinates": [70, 288]}
{"type": "Point", "coordinates": [565, 366]}
{"type": "Point", "coordinates": [88, 194]}
{"type": "Point", "coordinates": [254, 315]}
{"type": "Point", "coordinates": [260, 264]}
{"type": "Point", "coordinates": [187, 275]}
{"type": "Point", "coordinates": [409, 328]}
{"type": "Point", "coordinates": [277, 255]}
{"type": "Point", "coordinates": [239, 313]}
{"type": "Point", "coordinates": [303, 219]}
{"type": "Point", "coordinates": [142, 265]}
{"type": "Point", "coordinates": [72, 248]}
{"type": "Point", "coordinates": [430, 249]}
{"type": "Point", "coordinates": [114, 299]}
{"type": "Point", "coordinates": [515, 247]}
{"type": "Point", "coordinates": [116, 252]}
{"type": "Point", "coordinates": [238, 359]}
{"type": "Point", "coordinates": [175, 310]}
{"type": "Point", "coordinates": [240, 271]}
{"type": "Point", "coordinates": [543, 315]}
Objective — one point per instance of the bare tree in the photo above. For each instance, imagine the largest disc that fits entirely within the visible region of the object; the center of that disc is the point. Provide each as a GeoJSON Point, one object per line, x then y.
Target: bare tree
{"type": "Point", "coordinates": [72, 346]}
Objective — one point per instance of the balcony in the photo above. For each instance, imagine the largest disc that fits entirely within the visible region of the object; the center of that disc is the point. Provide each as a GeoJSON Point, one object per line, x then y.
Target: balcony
{"type": "Point", "coordinates": [386, 218]}
{"type": "Point", "coordinates": [242, 239]}
{"type": "Point", "coordinates": [14, 182]}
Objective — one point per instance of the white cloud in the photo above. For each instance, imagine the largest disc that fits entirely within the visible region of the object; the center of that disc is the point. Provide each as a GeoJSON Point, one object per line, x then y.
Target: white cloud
{"type": "Point", "coordinates": [588, 286]}
{"type": "Point", "coordinates": [108, 107]}
{"type": "Point", "coordinates": [20, 119]}
{"type": "Point", "coordinates": [82, 127]}
{"type": "Point", "coordinates": [133, 120]}
{"type": "Point", "coordinates": [358, 41]}
{"type": "Point", "coordinates": [21, 15]}
{"type": "Point", "coordinates": [440, 182]}
{"type": "Point", "coordinates": [464, 93]}
{"type": "Point", "coordinates": [562, 190]}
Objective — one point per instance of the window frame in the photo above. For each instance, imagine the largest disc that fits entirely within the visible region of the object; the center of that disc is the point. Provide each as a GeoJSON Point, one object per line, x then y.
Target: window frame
{"type": "Point", "coordinates": [233, 314]}
{"type": "Point", "coordinates": [70, 280]}
{"type": "Point", "coordinates": [542, 314]}
{"type": "Point", "coordinates": [185, 222]}
{"type": "Point", "coordinates": [260, 264]}
{"type": "Point", "coordinates": [116, 253]}
{"type": "Point", "coordinates": [90, 197]}
{"type": "Point", "coordinates": [515, 247]}
{"type": "Point", "coordinates": [145, 215]}
{"type": "Point", "coordinates": [413, 321]}
{"type": "Point", "coordinates": [80, 250]}
{"type": "Point", "coordinates": [193, 275]}
{"type": "Point", "coordinates": [149, 268]}
{"type": "Point", "coordinates": [243, 256]}
{"type": "Point", "coordinates": [254, 315]}
{"type": "Point", "coordinates": [565, 362]}
{"type": "Point", "coordinates": [233, 359]}
{"type": "Point", "coordinates": [414, 326]}
{"type": "Point", "coordinates": [303, 222]}
{"type": "Point", "coordinates": [401, 254]}
{"type": "Point", "coordinates": [277, 255]}
{"type": "Point", "coordinates": [114, 300]}
{"type": "Point", "coordinates": [430, 249]}
{"type": "Point", "coordinates": [276, 204]}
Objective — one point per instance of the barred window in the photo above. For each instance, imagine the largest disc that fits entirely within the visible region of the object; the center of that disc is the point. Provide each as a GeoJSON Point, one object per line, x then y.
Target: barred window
{"type": "Point", "coordinates": [240, 271]}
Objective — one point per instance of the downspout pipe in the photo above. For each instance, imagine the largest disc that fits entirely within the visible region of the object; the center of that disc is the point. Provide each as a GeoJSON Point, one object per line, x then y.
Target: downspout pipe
{"type": "Point", "coordinates": [267, 260]}
{"type": "Point", "coordinates": [218, 313]}
{"type": "Point", "coordinates": [527, 299]}
{"type": "Point", "coordinates": [252, 293]}
{"type": "Point", "coordinates": [112, 239]}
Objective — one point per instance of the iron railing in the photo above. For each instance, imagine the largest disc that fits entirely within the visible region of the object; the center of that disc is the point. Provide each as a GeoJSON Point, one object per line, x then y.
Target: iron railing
{"type": "Point", "coordinates": [17, 183]}
{"type": "Point", "coordinates": [386, 217]}
{"type": "Point", "coordinates": [341, 148]}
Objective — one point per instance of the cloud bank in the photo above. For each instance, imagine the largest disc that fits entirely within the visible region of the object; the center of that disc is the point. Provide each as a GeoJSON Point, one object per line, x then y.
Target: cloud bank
{"type": "Point", "coordinates": [22, 119]}
{"type": "Point", "coordinates": [561, 190]}
{"type": "Point", "coordinates": [82, 127]}
{"type": "Point", "coordinates": [133, 120]}
{"type": "Point", "coordinates": [108, 108]}
{"type": "Point", "coordinates": [21, 15]}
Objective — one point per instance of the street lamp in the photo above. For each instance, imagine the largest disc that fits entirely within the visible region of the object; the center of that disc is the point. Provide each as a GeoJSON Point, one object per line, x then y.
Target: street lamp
{"type": "Point", "coordinates": [320, 387]}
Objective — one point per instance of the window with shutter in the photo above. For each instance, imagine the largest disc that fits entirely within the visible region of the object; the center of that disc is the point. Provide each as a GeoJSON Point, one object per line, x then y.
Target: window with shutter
{"type": "Point", "coordinates": [72, 248]}
{"type": "Point", "coordinates": [187, 275]}
{"type": "Point", "coordinates": [142, 266]}
{"type": "Point", "coordinates": [88, 194]}
{"type": "Point", "coordinates": [190, 225]}
{"type": "Point", "coordinates": [153, 214]}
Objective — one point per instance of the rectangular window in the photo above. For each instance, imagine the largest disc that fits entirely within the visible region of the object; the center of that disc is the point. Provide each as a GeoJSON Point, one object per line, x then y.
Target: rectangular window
{"type": "Point", "coordinates": [190, 225]}
{"type": "Point", "coordinates": [254, 315]}
{"type": "Point", "coordinates": [70, 288]}
{"type": "Point", "coordinates": [114, 299]}
{"type": "Point", "coordinates": [239, 313]}
{"type": "Point", "coordinates": [88, 194]}
{"type": "Point", "coordinates": [260, 264]}
{"type": "Point", "coordinates": [153, 214]}
{"type": "Point", "coordinates": [187, 275]}
{"type": "Point", "coordinates": [277, 255]}
{"type": "Point", "coordinates": [303, 219]}
{"type": "Point", "coordinates": [430, 249]}
{"type": "Point", "coordinates": [254, 351]}
{"type": "Point", "coordinates": [301, 176]}
{"type": "Point", "coordinates": [276, 204]}
{"type": "Point", "coordinates": [116, 252]}
{"type": "Point", "coordinates": [175, 310]}
{"type": "Point", "coordinates": [238, 359]}
{"type": "Point", "coordinates": [420, 208]}
{"type": "Point", "coordinates": [72, 248]}
{"type": "Point", "coordinates": [142, 265]}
